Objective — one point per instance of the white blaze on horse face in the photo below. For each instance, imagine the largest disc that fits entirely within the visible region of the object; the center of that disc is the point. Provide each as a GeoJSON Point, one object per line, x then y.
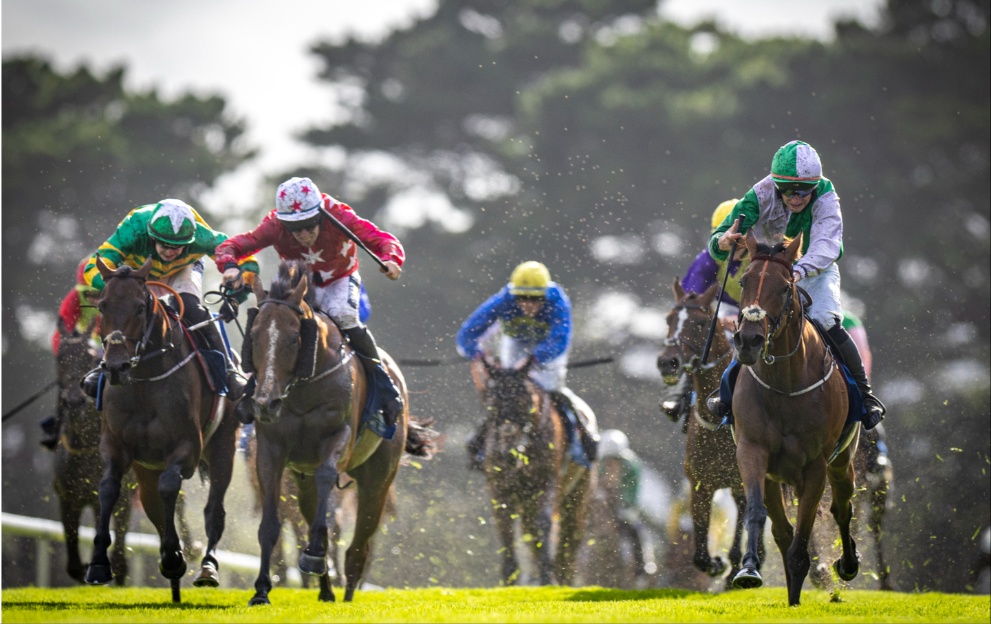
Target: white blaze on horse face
{"type": "Point", "coordinates": [682, 319]}
{"type": "Point", "coordinates": [268, 379]}
{"type": "Point", "coordinates": [753, 313]}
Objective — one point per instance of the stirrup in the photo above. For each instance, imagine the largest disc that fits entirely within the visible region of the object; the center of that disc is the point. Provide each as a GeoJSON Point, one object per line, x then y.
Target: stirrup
{"type": "Point", "coordinates": [715, 405]}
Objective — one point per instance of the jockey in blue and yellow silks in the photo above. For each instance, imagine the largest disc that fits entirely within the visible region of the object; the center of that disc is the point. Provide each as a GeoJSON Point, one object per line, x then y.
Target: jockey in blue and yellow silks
{"type": "Point", "coordinates": [534, 315]}
{"type": "Point", "coordinates": [175, 237]}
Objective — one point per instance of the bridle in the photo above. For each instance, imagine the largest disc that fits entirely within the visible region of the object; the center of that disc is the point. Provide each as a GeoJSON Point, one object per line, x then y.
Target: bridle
{"type": "Point", "coordinates": [692, 365]}
{"type": "Point", "coordinates": [297, 379]}
{"type": "Point", "coordinates": [153, 308]}
{"type": "Point", "coordinates": [774, 325]}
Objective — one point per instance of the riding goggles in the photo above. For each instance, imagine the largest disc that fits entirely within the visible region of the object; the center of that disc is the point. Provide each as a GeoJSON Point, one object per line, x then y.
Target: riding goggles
{"type": "Point", "coordinates": [801, 191]}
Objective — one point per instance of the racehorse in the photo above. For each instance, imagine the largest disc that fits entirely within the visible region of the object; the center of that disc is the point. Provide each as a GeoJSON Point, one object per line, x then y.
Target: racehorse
{"type": "Point", "coordinates": [790, 406]}
{"type": "Point", "coordinates": [159, 418]}
{"type": "Point", "coordinates": [710, 452]}
{"type": "Point", "coordinates": [530, 476]}
{"type": "Point", "coordinates": [309, 399]}
{"type": "Point", "coordinates": [77, 456]}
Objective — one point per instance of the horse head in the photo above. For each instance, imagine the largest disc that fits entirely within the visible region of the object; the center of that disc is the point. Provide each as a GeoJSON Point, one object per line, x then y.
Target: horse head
{"type": "Point", "coordinates": [511, 402]}
{"type": "Point", "coordinates": [286, 340]}
{"type": "Point", "coordinates": [688, 325]}
{"type": "Point", "coordinates": [127, 310]}
{"type": "Point", "coordinates": [75, 358]}
{"type": "Point", "coordinates": [769, 299]}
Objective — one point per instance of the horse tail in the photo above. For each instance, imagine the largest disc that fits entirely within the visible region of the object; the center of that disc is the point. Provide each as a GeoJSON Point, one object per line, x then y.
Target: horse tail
{"type": "Point", "coordinates": [421, 439]}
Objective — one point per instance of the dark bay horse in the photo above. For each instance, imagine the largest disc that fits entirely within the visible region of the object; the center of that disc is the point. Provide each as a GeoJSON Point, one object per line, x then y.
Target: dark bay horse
{"type": "Point", "coordinates": [710, 452]}
{"type": "Point", "coordinates": [530, 476]}
{"type": "Point", "coordinates": [158, 417]}
{"type": "Point", "coordinates": [78, 465]}
{"type": "Point", "coordinates": [790, 406]}
{"type": "Point", "coordinates": [309, 397]}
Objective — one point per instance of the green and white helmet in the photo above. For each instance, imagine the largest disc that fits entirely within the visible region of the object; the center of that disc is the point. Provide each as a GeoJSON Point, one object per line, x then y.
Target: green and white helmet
{"type": "Point", "coordinates": [173, 223]}
{"type": "Point", "coordinates": [796, 162]}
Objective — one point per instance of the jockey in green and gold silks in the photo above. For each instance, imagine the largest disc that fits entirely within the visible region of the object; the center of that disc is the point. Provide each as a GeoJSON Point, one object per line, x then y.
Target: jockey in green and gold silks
{"type": "Point", "coordinates": [175, 238]}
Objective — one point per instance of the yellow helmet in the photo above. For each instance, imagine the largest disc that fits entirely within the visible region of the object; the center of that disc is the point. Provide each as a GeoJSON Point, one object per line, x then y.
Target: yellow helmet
{"type": "Point", "coordinates": [722, 210]}
{"type": "Point", "coordinates": [529, 279]}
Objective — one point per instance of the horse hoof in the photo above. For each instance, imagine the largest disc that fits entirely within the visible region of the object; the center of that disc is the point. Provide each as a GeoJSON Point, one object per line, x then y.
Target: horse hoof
{"type": "Point", "coordinates": [174, 572]}
{"type": "Point", "coordinates": [717, 567]}
{"type": "Point", "coordinates": [846, 576]}
{"type": "Point", "coordinates": [747, 578]}
{"type": "Point", "coordinates": [208, 577]}
{"type": "Point", "coordinates": [314, 566]}
{"type": "Point", "coordinates": [258, 599]}
{"type": "Point", "coordinates": [98, 574]}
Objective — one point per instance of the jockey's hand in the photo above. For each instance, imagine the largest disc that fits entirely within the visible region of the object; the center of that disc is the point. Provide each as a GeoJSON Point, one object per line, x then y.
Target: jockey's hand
{"type": "Point", "coordinates": [232, 279]}
{"type": "Point", "coordinates": [228, 310]}
{"type": "Point", "coordinates": [391, 269]}
{"type": "Point", "coordinates": [729, 236]}
{"type": "Point", "coordinates": [524, 363]}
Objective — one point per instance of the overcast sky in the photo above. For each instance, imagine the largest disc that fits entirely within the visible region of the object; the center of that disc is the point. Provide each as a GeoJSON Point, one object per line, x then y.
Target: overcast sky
{"type": "Point", "coordinates": [255, 52]}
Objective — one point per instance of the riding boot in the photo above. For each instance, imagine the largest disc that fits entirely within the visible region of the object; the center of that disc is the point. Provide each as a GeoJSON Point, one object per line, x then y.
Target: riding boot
{"type": "Point", "coordinates": [583, 450]}
{"type": "Point", "coordinates": [195, 314]}
{"type": "Point", "coordinates": [50, 427]}
{"type": "Point", "coordinates": [851, 357]}
{"type": "Point", "coordinates": [245, 409]}
{"type": "Point", "coordinates": [680, 405]}
{"type": "Point", "coordinates": [363, 343]}
{"type": "Point", "coordinates": [476, 446]}
{"type": "Point", "coordinates": [722, 404]}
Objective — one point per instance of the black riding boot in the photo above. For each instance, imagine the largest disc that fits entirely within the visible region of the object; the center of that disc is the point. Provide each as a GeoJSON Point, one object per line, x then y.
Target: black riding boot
{"type": "Point", "coordinates": [476, 446]}
{"type": "Point", "coordinates": [194, 314]}
{"type": "Point", "coordinates": [363, 343]}
{"type": "Point", "coordinates": [851, 357]}
{"type": "Point", "coordinates": [90, 383]}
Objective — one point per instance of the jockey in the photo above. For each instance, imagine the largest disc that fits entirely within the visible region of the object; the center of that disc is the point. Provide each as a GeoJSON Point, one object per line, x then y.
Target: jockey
{"type": "Point", "coordinates": [534, 315]}
{"type": "Point", "coordinates": [621, 468]}
{"type": "Point", "coordinates": [703, 272]}
{"type": "Point", "coordinates": [299, 230]}
{"type": "Point", "coordinates": [795, 198]}
{"type": "Point", "coordinates": [176, 238]}
{"type": "Point", "coordinates": [77, 311]}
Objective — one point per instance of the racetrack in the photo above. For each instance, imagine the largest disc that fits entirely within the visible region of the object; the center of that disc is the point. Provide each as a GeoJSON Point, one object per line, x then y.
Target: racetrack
{"type": "Point", "coordinates": [516, 604]}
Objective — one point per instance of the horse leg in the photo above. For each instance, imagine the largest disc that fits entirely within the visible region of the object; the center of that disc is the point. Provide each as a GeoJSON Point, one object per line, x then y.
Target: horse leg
{"type": "Point", "coordinates": [752, 461]}
{"type": "Point", "coordinates": [122, 518]}
{"type": "Point", "coordinates": [373, 489]}
{"type": "Point", "coordinates": [701, 497]}
{"type": "Point", "coordinates": [798, 561]}
{"type": "Point", "coordinates": [572, 526]}
{"type": "Point", "coordinates": [220, 457]}
{"type": "Point", "coordinates": [269, 471]}
{"type": "Point", "coordinates": [172, 564]}
{"type": "Point", "coordinates": [878, 485]}
{"type": "Point", "coordinates": [115, 463]}
{"type": "Point", "coordinates": [536, 521]}
{"type": "Point", "coordinates": [504, 526]}
{"type": "Point", "coordinates": [70, 511]}
{"type": "Point", "coordinates": [842, 483]}
{"type": "Point", "coordinates": [313, 559]}
{"type": "Point", "coordinates": [735, 552]}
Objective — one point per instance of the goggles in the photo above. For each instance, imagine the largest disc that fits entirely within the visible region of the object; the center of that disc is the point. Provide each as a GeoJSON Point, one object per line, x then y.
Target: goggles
{"type": "Point", "coordinates": [796, 191]}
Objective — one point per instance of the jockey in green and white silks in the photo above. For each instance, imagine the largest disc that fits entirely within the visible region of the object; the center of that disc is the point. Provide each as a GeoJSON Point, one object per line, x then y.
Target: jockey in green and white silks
{"type": "Point", "coordinates": [176, 238]}
{"type": "Point", "coordinates": [796, 199]}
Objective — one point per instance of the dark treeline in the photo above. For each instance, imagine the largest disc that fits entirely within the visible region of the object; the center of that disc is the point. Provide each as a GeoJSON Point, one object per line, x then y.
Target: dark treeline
{"type": "Point", "coordinates": [598, 139]}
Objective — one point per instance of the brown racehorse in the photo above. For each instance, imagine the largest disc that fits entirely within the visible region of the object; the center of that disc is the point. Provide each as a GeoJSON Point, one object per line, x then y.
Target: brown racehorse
{"type": "Point", "coordinates": [78, 466]}
{"type": "Point", "coordinates": [790, 406]}
{"type": "Point", "coordinates": [530, 476]}
{"type": "Point", "coordinates": [309, 397]}
{"type": "Point", "coordinates": [710, 452]}
{"type": "Point", "coordinates": [157, 419]}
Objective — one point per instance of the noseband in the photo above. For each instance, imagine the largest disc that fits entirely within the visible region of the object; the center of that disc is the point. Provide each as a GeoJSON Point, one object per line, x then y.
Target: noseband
{"type": "Point", "coordinates": [773, 325]}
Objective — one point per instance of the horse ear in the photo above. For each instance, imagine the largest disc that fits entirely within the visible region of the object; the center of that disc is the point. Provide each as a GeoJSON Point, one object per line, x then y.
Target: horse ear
{"type": "Point", "coordinates": [751, 243]}
{"type": "Point", "coordinates": [105, 271]}
{"type": "Point", "coordinates": [145, 269]}
{"type": "Point", "coordinates": [710, 293]}
{"type": "Point", "coordinates": [62, 329]}
{"type": "Point", "coordinates": [258, 290]}
{"type": "Point", "coordinates": [300, 291]}
{"type": "Point", "coordinates": [794, 246]}
{"type": "Point", "coordinates": [679, 292]}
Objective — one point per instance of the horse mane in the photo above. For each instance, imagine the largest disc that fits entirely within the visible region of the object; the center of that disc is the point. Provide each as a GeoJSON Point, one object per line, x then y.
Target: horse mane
{"type": "Point", "coordinates": [772, 249]}
{"type": "Point", "coordinates": [290, 272]}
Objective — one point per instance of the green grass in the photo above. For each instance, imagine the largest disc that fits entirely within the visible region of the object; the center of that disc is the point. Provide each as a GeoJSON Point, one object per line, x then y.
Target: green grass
{"type": "Point", "coordinates": [518, 604]}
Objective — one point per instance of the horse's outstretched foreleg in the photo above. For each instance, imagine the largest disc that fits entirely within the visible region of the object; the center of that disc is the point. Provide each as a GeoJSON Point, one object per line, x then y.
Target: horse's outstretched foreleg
{"type": "Point", "coordinates": [701, 495]}
{"type": "Point", "coordinates": [270, 484]}
{"type": "Point", "coordinates": [752, 461]}
{"type": "Point", "coordinates": [841, 480]}
{"type": "Point", "coordinates": [220, 456]}
{"type": "Point", "coordinates": [735, 551]}
{"type": "Point", "coordinates": [313, 559]}
{"type": "Point", "coordinates": [71, 510]}
{"type": "Point", "coordinates": [782, 530]}
{"type": "Point", "coordinates": [99, 571]}
{"type": "Point", "coordinates": [536, 521]}
{"type": "Point", "coordinates": [122, 518]}
{"type": "Point", "coordinates": [172, 564]}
